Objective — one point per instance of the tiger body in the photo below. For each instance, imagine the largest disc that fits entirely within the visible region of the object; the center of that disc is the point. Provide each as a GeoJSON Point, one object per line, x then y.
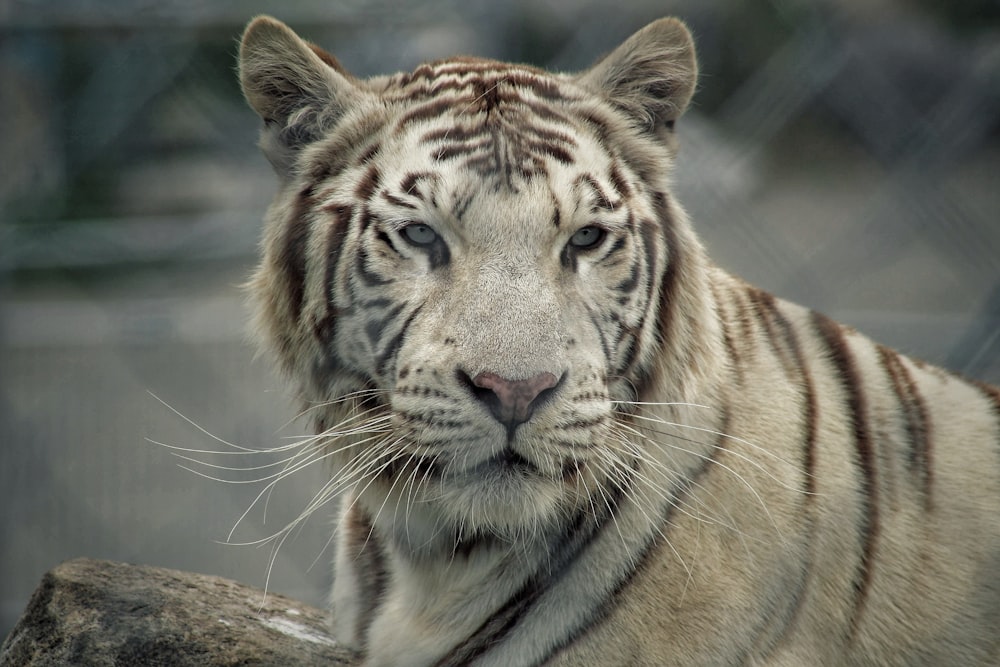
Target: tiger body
{"type": "Point", "coordinates": [563, 435]}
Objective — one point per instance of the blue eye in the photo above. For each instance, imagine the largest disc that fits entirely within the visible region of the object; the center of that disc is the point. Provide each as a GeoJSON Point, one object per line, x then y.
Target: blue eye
{"type": "Point", "coordinates": [419, 234]}
{"type": "Point", "coordinates": [587, 237]}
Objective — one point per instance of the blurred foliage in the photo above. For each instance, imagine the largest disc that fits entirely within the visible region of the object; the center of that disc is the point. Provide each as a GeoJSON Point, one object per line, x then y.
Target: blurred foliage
{"type": "Point", "coordinates": [965, 16]}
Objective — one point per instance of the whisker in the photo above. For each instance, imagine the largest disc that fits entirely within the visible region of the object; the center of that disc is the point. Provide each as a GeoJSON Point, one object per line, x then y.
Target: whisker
{"type": "Point", "coordinates": [197, 426]}
{"type": "Point", "coordinates": [718, 447]}
{"type": "Point", "coordinates": [719, 464]}
{"type": "Point", "coordinates": [680, 502]}
{"type": "Point", "coordinates": [277, 478]}
{"type": "Point", "coordinates": [719, 434]}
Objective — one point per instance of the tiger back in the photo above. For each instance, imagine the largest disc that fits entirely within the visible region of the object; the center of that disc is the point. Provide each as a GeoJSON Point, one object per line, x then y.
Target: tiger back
{"type": "Point", "coordinates": [559, 433]}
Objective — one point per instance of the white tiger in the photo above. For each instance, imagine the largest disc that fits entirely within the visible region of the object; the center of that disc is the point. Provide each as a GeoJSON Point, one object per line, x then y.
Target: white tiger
{"type": "Point", "coordinates": [564, 436]}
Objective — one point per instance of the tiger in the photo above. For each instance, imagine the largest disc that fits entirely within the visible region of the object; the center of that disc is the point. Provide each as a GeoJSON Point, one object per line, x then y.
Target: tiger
{"type": "Point", "coordinates": [558, 433]}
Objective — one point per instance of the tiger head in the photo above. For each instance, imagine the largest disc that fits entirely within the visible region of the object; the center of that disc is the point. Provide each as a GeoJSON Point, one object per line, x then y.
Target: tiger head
{"type": "Point", "coordinates": [475, 270]}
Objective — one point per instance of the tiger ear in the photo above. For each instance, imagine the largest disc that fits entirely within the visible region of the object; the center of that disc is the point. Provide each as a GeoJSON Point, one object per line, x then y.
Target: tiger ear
{"type": "Point", "coordinates": [298, 90]}
{"type": "Point", "coordinates": [651, 76]}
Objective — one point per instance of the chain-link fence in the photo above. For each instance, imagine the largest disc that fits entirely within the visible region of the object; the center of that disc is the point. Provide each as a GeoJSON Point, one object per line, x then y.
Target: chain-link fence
{"type": "Point", "coordinates": [841, 154]}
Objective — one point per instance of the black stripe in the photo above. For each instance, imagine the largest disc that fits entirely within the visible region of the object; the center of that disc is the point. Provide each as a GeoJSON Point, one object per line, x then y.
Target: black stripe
{"type": "Point", "coordinates": [600, 334]}
{"type": "Point", "coordinates": [451, 86]}
{"type": "Point", "coordinates": [455, 134]}
{"type": "Point", "coordinates": [810, 408]}
{"type": "Point", "coordinates": [542, 86]}
{"type": "Point", "coordinates": [618, 181]}
{"type": "Point", "coordinates": [652, 308]}
{"type": "Point", "coordinates": [392, 347]}
{"type": "Point", "coordinates": [291, 259]}
{"type": "Point", "coordinates": [810, 425]}
{"type": "Point", "coordinates": [425, 72]}
{"type": "Point", "coordinates": [462, 205]}
{"type": "Point", "coordinates": [396, 201]}
{"type": "Point", "coordinates": [544, 111]}
{"type": "Point", "coordinates": [601, 199]}
{"type": "Point", "coordinates": [410, 182]}
{"type": "Point", "coordinates": [368, 184]}
{"type": "Point", "coordinates": [372, 576]}
{"type": "Point", "coordinates": [669, 279]}
{"type": "Point", "coordinates": [631, 350]}
{"type": "Point", "coordinates": [630, 221]}
{"type": "Point", "coordinates": [629, 284]}
{"type": "Point", "coordinates": [725, 316]}
{"type": "Point", "coordinates": [342, 214]}
{"type": "Point", "coordinates": [843, 361]}
{"type": "Point", "coordinates": [375, 328]}
{"type": "Point", "coordinates": [790, 349]}
{"type": "Point", "coordinates": [369, 154]}
{"type": "Point", "coordinates": [378, 302]}
{"type": "Point", "coordinates": [457, 82]}
{"type": "Point", "coordinates": [648, 235]}
{"type": "Point", "coordinates": [744, 320]}
{"type": "Point", "coordinates": [549, 136]}
{"type": "Point", "coordinates": [430, 110]}
{"type": "Point", "coordinates": [558, 153]}
{"type": "Point", "coordinates": [531, 167]}
{"type": "Point", "coordinates": [455, 149]}
{"type": "Point", "coordinates": [601, 126]}
{"type": "Point", "coordinates": [361, 256]}
{"type": "Point", "coordinates": [367, 276]}
{"type": "Point", "coordinates": [735, 361]}
{"type": "Point", "coordinates": [763, 306]}
{"type": "Point", "coordinates": [332, 159]}
{"type": "Point", "coordinates": [916, 420]}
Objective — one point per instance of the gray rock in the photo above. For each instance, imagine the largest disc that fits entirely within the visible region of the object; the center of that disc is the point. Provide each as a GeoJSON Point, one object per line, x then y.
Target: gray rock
{"type": "Point", "coordinates": [91, 612]}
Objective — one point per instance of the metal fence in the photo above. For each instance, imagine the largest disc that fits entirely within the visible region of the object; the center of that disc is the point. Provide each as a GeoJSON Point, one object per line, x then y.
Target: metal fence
{"type": "Point", "coordinates": [840, 155]}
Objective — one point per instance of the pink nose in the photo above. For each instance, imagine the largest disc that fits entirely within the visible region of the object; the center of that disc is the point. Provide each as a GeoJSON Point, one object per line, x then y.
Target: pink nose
{"type": "Point", "coordinates": [512, 402]}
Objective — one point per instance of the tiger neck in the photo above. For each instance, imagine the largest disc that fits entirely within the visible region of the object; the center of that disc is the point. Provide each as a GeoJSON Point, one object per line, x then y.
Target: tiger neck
{"type": "Point", "coordinates": [403, 599]}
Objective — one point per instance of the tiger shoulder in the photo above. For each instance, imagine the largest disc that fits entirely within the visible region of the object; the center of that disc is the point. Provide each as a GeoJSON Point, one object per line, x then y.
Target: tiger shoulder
{"type": "Point", "coordinates": [561, 435]}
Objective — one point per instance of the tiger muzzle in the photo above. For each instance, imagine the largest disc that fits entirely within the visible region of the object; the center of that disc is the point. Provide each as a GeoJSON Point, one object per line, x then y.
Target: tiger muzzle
{"type": "Point", "coordinates": [511, 402]}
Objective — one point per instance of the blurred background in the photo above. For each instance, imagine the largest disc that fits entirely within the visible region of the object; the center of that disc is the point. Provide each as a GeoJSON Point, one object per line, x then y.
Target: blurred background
{"type": "Point", "coordinates": [841, 153]}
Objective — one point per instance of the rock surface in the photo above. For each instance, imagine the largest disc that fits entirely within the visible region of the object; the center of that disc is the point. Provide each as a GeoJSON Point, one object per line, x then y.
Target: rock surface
{"type": "Point", "coordinates": [91, 612]}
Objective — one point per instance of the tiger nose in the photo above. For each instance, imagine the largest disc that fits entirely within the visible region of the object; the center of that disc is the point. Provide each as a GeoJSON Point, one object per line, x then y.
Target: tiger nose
{"type": "Point", "coordinates": [512, 402]}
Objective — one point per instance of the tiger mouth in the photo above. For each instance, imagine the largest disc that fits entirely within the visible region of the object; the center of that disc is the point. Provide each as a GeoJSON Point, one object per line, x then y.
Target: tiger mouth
{"type": "Point", "coordinates": [510, 464]}
{"type": "Point", "coordinates": [507, 462]}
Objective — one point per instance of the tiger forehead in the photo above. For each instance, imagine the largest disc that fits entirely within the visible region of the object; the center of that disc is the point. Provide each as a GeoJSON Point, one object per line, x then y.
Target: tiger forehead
{"type": "Point", "coordinates": [601, 186]}
{"type": "Point", "coordinates": [505, 124]}
{"type": "Point", "coordinates": [483, 90]}
{"type": "Point", "coordinates": [477, 76]}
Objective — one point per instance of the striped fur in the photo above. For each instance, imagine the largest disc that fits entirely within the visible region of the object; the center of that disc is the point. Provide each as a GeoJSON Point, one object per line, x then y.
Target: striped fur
{"type": "Point", "coordinates": [699, 473]}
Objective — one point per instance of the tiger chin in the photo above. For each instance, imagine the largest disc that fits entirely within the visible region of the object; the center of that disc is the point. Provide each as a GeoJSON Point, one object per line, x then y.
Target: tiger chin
{"type": "Point", "coordinates": [560, 434]}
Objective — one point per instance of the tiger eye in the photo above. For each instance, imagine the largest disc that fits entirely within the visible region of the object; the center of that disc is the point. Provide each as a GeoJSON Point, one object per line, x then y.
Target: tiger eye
{"type": "Point", "coordinates": [587, 237]}
{"type": "Point", "coordinates": [419, 234]}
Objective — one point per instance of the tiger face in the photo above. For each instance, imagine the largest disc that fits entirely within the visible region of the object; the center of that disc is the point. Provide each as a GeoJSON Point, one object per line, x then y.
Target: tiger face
{"type": "Point", "coordinates": [459, 257]}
